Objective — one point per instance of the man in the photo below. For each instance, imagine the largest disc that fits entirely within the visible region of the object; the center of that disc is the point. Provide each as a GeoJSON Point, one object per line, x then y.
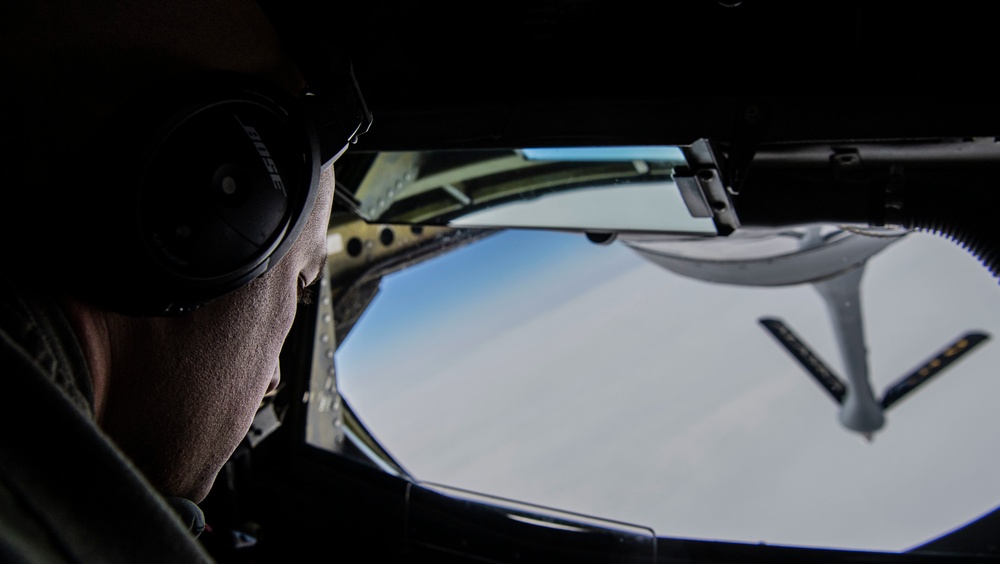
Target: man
{"type": "Point", "coordinates": [121, 413]}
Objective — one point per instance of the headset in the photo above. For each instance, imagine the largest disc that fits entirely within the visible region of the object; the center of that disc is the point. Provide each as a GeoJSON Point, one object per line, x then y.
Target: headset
{"type": "Point", "coordinates": [207, 182]}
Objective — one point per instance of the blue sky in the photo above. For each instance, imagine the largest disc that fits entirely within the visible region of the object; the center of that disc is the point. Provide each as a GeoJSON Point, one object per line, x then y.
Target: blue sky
{"type": "Point", "coordinates": [460, 299]}
{"type": "Point", "coordinates": [540, 367]}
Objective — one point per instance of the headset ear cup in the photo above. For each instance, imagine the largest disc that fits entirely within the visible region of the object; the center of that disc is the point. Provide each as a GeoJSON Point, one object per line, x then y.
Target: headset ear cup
{"type": "Point", "coordinates": [216, 187]}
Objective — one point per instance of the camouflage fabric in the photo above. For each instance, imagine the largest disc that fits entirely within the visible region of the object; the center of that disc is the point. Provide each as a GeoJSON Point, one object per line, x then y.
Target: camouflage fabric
{"type": "Point", "coordinates": [66, 493]}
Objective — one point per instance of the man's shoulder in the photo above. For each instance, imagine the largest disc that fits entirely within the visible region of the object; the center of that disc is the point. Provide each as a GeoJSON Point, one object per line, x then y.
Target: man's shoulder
{"type": "Point", "coordinates": [22, 539]}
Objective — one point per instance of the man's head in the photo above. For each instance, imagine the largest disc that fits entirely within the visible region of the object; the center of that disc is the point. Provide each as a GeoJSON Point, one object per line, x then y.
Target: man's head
{"type": "Point", "coordinates": [176, 393]}
{"type": "Point", "coordinates": [179, 393]}
{"type": "Point", "coordinates": [173, 156]}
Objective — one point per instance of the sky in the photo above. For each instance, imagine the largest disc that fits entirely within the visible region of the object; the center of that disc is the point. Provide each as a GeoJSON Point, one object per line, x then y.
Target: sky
{"type": "Point", "coordinates": [540, 367]}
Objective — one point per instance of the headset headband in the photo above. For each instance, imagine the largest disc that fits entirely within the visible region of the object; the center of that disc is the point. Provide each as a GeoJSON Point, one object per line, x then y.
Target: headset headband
{"type": "Point", "coordinates": [334, 98]}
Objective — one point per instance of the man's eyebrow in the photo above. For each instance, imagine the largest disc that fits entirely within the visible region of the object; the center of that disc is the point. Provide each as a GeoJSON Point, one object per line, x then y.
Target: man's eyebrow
{"type": "Point", "coordinates": [306, 293]}
{"type": "Point", "coordinates": [319, 273]}
{"type": "Point", "coordinates": [322, 268]}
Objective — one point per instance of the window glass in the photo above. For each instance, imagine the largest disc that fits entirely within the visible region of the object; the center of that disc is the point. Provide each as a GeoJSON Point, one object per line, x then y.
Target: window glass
{"type": "Point", "coordinates": [540, 367]}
